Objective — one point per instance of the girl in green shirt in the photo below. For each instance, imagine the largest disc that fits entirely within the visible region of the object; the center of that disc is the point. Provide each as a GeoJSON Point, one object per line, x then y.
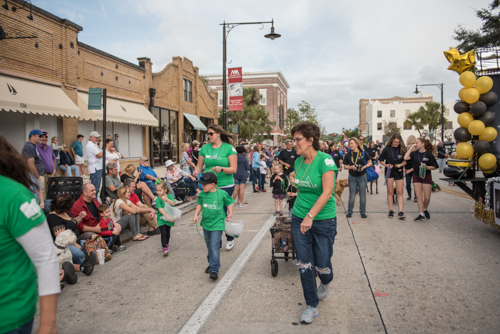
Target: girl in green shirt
{"type": "Point", "coordinates": [164, 195]}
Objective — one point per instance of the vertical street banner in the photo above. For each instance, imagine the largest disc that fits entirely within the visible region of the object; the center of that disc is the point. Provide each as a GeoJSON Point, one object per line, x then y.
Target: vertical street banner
{"type": "Point", "coordinates": [235, 89]}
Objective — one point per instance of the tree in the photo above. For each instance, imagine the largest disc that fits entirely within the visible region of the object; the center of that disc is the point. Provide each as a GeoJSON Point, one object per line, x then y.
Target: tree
{"type": "Point", "coordinates": [391, 127]}
{"type": "Point", "coordinates": [307, 112]}
{"type": "Point", "coordinates": [292, 118]}
{"type": "Point", "coordinates": [430, 114]}
{"type": "Point", "coordinates": [414, 120]}
{"type": "Point", "coordinates": [350, 133]}
{"type": "Point", "coordinates": [487, 35]}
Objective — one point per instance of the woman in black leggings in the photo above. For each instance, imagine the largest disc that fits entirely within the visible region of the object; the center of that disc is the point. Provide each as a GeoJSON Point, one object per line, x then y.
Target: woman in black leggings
{"type": "Point", "coordinates": [408, 172]}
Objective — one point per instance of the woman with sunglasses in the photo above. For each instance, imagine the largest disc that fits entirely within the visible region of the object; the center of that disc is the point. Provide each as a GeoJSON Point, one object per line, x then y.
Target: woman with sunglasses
{"type": "Point", "coordinates": [219, 157]}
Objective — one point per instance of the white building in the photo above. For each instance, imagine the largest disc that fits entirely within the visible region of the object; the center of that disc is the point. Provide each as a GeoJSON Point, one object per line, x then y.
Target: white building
{"type": "Point", "coordinates": [378, 114]}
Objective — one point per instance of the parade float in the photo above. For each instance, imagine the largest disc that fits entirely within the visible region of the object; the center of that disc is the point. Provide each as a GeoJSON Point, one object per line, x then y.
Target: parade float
{"type": "Point", "coordinates": [475, 165]}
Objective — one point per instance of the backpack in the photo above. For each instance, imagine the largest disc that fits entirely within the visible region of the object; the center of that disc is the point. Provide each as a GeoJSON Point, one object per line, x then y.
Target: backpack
{"type": "Point", "coordinates": [370, 172]}
{"type": "Point", "coordinates": [94, 243]}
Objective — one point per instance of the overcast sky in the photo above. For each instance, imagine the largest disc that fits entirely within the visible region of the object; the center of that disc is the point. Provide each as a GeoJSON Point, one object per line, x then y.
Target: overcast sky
{"type": "Point", "coordinates": [333, 53]}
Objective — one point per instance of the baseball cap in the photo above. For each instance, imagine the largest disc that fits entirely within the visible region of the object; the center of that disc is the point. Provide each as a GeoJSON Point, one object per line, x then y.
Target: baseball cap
{"type": "Point", "coordinates": [208, 178]}
{"type": "Point", "coordinates": [36, 132]}
{"type": "Point", "coordinates": [95, 134]}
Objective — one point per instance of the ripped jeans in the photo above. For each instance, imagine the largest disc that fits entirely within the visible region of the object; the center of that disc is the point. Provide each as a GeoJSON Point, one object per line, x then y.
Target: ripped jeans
{"type": "Point", "coordinates": [314, 251]}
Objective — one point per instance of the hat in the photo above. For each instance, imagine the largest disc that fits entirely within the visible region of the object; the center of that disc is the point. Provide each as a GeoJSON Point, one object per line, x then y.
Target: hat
{"type": "Point", "coordinates": [36, 132]}
{"type": "Point", "coordinates": [208, 178]}
{"type": "Point", "coordinates": [195, 142]}
{"type": "Point", "coordinates": [169, 163]}
{"type": "Point", "coordinates": [43, 131]}
{"type": "Point", "coordinates": [95, 134]}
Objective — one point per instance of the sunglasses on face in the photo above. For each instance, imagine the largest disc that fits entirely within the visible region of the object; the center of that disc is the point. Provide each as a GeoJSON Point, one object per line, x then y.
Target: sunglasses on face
{"type": "Point", "coordinates": [210, 133]}
{"type": "Point", "coordinates": [42, 136]}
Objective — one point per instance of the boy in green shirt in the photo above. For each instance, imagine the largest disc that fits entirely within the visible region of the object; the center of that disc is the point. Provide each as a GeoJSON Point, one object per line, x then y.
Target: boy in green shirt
{"type": "Point", "coordinates": [211, 204]}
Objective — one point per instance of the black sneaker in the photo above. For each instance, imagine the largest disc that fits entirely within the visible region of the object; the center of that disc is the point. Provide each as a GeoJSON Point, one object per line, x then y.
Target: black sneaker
{"type": "Point", "coordinates": [391, 214]}
{"type": "Point", "coordinates": [401, 215]}
{"type": "Point", "coordinates": [419, 218]}
{"type": "Point", "coordinates": [408, 199]}
{"type": "Point", "coordinates": [214, 276]}
{"type": "Point", "coordinates": [206, 270]}
{"type": "Point", "coordinates": [415, 200]}
{"type": "Point", "coordinates": [153, 232]}
{"type": "Point", "coordinates": [349, 215]}
{"type": "Point", "coordinates": [427, 215]}
{"type": "Point", "coordinates": [364, 216]}
{"type": "Point", "coordinates": [87, 267]}
{"type": "Point", "coordinates": [69, 273]}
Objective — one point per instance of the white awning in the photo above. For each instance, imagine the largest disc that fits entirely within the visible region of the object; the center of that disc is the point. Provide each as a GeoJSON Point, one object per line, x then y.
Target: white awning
{"type": "Point", "coordinates": [195, 122]}
{"type": "Point", "coordinates": [24, 96]}
{"type": "Point", "coordinates": [118, 111]}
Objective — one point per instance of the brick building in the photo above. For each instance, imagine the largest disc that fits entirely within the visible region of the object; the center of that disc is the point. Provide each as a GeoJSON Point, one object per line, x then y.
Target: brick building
{"type": "Point", "coordinates": [273, 87]}
{"type": "Point", "coordinates": [44, 83]}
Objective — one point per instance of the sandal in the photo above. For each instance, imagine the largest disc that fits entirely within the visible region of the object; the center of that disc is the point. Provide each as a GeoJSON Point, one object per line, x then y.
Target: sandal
{"type": "Point", "coordinates": [139, 239]}
{"type": "Point", "coordinates": [244, 202]}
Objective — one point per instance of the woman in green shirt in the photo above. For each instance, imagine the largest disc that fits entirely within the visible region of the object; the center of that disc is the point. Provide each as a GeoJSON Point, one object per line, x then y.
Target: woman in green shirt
{"type": "Point", "coordinates": [314, 218]}
{"type": "Point", "coordinates": [220, 157]}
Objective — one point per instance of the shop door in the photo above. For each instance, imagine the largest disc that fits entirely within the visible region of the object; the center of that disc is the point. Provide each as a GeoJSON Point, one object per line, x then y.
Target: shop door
{"type": "Point", "coordinates": [165, 136]}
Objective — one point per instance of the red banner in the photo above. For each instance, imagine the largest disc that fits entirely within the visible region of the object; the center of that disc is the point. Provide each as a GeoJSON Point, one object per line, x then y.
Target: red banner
{"type": "Point", "coordinates": [235, 89]}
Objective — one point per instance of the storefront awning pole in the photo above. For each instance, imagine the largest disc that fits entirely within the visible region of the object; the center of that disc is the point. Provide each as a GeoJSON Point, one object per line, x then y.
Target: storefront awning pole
{"type": "Point", "coordinates": [103, 188]}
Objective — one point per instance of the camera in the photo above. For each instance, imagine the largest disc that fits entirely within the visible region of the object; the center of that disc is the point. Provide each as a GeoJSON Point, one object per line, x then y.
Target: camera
{"type": "Point", "coordinates": [358, 168]}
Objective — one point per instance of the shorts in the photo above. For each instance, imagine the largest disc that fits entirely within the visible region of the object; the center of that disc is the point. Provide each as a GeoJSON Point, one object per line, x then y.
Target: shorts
{"type": "Point", "coordinates": [396, 174]}
{"type": "Point", "coordinates": [426, 180]}
{"type": "Point", "coordinates": [279, 196]}
{"type": "Point", "coordinates": [78, 160]}
{"type": "Point", "coordinates": [240, 181]}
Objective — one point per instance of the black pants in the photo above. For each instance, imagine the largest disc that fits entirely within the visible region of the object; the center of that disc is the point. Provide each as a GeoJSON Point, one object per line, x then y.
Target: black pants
{"type": "Point", "coordinates": [408, 184]}
{"type": "Point", "coordinates": [165, 235]}
{"type": "Point", "coordinates": [114, 240]}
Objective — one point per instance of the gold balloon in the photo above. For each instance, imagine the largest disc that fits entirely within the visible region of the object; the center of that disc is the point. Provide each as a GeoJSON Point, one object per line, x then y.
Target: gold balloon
{"type": "Point", "coordinates": [467, 79]}
{"type": "Point", "coordinates": [489, 134]}
{"type": "Point", "coordinates": [454, 155]}
{"type": "Point", "coordinates": [487, 161]}
{"type": "Point", "coordinates": [461, 93]}
{"type": "Point", "coordinates": [476, 127]}
{"type": "Point", "coordinates": [460, 62]}
{"type": "Point", "coordinates": [464, 119]}
{"type": "Point", "coordinates": [465, 150]}
{"type": "Point", "coordinates": [484, 84]}
{"type": "Point", "coordinates": [471, 95]}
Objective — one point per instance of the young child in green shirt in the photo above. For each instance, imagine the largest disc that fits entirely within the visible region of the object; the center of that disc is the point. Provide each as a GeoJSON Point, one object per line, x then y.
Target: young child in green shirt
{"type": "Point", "coordinates": [164, 195]}
{"type": "Point", "coordinates": [211, 204]}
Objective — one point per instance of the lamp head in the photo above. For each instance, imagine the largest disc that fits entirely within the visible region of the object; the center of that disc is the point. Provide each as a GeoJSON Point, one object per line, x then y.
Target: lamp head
{"type": "Point", "coordinates": [272, 36]}
{"type": "Point", "coordinates": [416, 90]}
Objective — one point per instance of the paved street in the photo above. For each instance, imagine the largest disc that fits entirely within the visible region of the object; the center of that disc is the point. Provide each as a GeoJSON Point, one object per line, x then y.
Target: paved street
{"type": "Point", "coordinates": [437, 276]}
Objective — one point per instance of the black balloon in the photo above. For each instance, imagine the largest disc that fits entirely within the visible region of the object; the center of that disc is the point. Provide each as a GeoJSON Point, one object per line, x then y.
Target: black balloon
{"type": "Point", "coordinates": [461, 107]}
{"type": "Point", "coordinates": [489, 98]}
{"type": "Point", "coordinates": [498, 159]}
{"type": "Point", "coordinates": [488, 118]}
{"type": "Point", "coordinates": [481, 147]}
{"type": "Point", "coordinates": [462, 134]}
{"type": "Point", "coordinates": [478, 108]}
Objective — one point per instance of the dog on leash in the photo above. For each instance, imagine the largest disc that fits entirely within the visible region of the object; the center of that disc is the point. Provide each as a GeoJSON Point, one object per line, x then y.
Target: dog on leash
{"type": "Point", "coordinates": [340, 185]}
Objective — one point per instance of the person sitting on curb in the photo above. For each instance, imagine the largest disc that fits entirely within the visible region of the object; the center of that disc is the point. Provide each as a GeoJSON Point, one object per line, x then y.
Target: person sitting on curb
{"type": "Point", "coordinates": [142, 190]}
{"type": "Point", "coordinates": [175, 174]}
{"type": "Point", "coordinates": [89, 226]}
{"type": "Point", "coordinates": [124, 213]}
{"type": "Point", "coordinates": [112, 180]}
{"type": "Point", "coordinates": [66, 163]}
{"type": "Point", "coordinates": [148, 175]}
{"type": "Point", "coordinates": [146, 217]}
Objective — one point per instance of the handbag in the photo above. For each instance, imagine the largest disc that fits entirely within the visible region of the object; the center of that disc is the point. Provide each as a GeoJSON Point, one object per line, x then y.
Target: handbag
{"type": "Point", "coordinates": [94, 243]}
{"type": "Point", "coordinates": [180, 189]}
{"type": "Point", "coordinates": [370, 172]}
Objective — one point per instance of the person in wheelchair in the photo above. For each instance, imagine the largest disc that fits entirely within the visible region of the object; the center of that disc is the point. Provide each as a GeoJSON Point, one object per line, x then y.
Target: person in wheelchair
{"type": "Point", "coordinates": [176, 176]}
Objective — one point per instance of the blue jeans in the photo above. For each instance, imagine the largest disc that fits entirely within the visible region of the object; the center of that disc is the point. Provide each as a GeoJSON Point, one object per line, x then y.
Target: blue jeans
{"type": "Point", "coordinates": [191, 185]}
{"type": "Point", "coordinates": [95, 179]}
{"type": "Point", "coordinates": [78, 255]}
{"type": "Point", "coordinates": [212, 239]}
{"type": "Point", "coordinates": [314, 252]}
{"type": "Point", "coordinates": [230, 192]}
{"type": "Point", "coordinates": [257, 178]}
{"type": "Point", "coordinates": [355, 183]}
{"type": "Point", "coordinates": [442, 164]}
{"type": "Point", "coordinates": [24, 329]}
{"type": "Point", "coordinates": [69, 169]}
{"type": "Point", "coordinates": [46, 209]}
{"type": "Point", "coordinates": [151, 185]}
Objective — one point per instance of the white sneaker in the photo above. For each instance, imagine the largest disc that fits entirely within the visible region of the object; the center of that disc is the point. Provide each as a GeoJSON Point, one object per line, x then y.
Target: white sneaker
{"type": "Point", "coordinates": [229, 244]}
{"type": "Point", "coordinates": [242, 205]}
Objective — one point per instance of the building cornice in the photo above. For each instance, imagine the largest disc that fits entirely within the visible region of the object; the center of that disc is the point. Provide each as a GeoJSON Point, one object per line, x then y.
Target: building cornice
{"type": "Point", "coordinates": [258, 74]}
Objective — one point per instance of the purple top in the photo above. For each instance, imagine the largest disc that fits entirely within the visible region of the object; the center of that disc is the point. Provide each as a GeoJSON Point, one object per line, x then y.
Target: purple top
{"type": "Point", "coordinates": [47, 156]}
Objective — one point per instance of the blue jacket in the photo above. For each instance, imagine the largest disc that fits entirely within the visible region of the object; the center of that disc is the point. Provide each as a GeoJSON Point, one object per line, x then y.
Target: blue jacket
{"type": "Point", "coordinates": [65, 159]}
{"type": "Point", "coordinates": [243, 167]}
{"type": "Point", "coordinates": [256, 160]}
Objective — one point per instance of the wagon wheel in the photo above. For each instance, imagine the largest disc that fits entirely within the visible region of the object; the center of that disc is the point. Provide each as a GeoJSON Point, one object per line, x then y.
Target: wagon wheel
{"type": "Point", "coordinates": [286, 256]}
{"type": "Point", "coordinates": [274, 268]}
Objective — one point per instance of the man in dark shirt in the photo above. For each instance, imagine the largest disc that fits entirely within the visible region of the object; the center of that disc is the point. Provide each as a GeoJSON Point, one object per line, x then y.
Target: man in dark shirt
{"type": "Point", "coordinates": [441, 155]}
{"type": "Point", "coordinates": [287, 157]}
{"type": "Point", "coordinates": [30, 153]}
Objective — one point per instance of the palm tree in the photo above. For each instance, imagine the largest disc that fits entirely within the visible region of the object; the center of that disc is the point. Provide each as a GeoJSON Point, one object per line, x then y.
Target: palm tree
{"type": "Point", "coordinates": [415, 120]}
{"type": "Point", "coordinates": [431, 115]}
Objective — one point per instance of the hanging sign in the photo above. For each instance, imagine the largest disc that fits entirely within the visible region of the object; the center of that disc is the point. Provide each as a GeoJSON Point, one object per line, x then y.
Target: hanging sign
{"type": "Point", "coordinates": [235, 89]}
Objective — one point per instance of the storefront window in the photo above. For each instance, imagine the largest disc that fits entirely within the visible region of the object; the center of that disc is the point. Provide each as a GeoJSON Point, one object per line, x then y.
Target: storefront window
{"type": "Point", "coordinates": [165, 136]}
{"type": "Point", "coordinates": [174, 135]}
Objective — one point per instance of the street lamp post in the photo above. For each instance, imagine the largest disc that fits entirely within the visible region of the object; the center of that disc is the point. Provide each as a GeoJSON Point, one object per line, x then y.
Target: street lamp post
{"type": "Point", "coordinates": [272, 36]}
{"type": "Point", "coordinates": [440, 86]}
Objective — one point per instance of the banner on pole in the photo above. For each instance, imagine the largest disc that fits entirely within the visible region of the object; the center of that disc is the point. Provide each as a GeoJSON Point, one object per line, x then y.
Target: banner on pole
{"type": "Point", "coordinates": [235, 89]}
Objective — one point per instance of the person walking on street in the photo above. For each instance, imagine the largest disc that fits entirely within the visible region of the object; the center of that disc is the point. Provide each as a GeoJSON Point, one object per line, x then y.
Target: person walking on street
{"type": "Point", "coordinates": [441, 155]}
{"type": "Point", "coordinates": [241, 176]}
{"type": "Point", "coordinates": [336, 156]}
{"type": "Point", "coordinates": [314, 218]}
{"type": "Point", "coordinates": [373, 152]}
{"type": "Point", "coordinates": [423, 162]}
{"type": "Point", "coordinates": [357, 161]}
{"type": "Point", "coordinates": [287, 157]}
{"type": "Point", "coordinates": [221, 157]}
{"type": "Point", "coordinates": [256, 171]}
{"type": "Point", "coordinates": [164, 195]}
{"type": "Point", "coordinates": [94, 158]}
{"type": "Point", "coordinates": [279, 182]}
{"type": "Point", "coordinates": [392, 158]}
{"type": "Point", "coordinates": [32, 157]}
{"type": "Point", "coordinates": [409, 168]}
{"type": "Point", "coordinates": [77, 150]}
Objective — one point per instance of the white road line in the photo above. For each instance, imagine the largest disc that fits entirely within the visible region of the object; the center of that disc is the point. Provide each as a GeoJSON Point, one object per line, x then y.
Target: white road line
{"type": "Point", "coordinates": [206, 308]}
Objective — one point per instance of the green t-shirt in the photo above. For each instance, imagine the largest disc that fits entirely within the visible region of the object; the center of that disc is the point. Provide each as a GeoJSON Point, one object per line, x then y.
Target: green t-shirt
{"type": "Point", "coordinates": [219, 157]}
{"type": "Point", "coordinates": [311, 187]}
{"type": "Point", "coordinates": [161, 204]}
{"type": "Point", "coordinates": [19, 213]}
{"type": "Point", "coordinates": [212, 205]}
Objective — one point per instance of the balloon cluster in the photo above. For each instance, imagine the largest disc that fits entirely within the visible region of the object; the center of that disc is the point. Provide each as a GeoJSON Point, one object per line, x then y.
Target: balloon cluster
{"type": "Point", "coordinates": [476, 120]}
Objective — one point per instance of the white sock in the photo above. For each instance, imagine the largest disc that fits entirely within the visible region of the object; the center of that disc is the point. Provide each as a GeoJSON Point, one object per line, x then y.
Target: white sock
{"type": "Point", "coordinates": [425, 210]}
{"type": "Point", "coordinates": [422, 214]}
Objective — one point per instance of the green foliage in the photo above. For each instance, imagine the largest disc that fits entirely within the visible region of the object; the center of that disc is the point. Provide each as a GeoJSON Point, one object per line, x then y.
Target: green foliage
{"type": "Point", "coordinates": [292, 118]}
{"type": "Point", "coordinates": [428, 115]}
{"type": "Point", "coordinates": [487, 35]}
{"type": "Point", "coordinates": [307, 112]}
{"type": "Point", "coordinates": [414, 120]}
{"type": "Point", "coordinates": [350, 133]}
{"type": "Point", "coordinates": [391, 127]}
